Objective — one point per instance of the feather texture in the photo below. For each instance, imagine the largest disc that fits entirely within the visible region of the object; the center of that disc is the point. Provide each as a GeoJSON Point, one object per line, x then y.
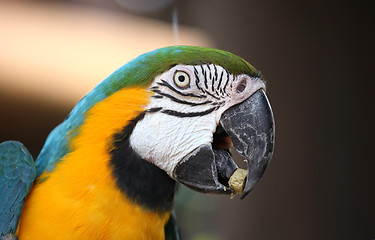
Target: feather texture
{"type": "Point", "coordinates": [17, 173]}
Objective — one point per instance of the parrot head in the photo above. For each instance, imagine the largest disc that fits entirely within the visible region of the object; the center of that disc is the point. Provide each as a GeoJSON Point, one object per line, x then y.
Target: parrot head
{"type": "Point", "coordinates": [203, 101]}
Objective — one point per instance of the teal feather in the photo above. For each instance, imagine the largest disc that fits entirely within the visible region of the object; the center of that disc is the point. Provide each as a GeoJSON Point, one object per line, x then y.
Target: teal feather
{"type": "Point", "coordinates": [17, 174]}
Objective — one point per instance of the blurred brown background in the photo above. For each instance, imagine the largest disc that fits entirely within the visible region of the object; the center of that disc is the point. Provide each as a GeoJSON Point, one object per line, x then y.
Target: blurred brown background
{"type": "Point", "coordinates": [316, 57]}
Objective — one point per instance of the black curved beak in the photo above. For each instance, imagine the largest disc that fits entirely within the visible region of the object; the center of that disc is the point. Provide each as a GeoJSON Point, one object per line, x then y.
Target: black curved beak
{"type": "Point", "coordinates": [251, 128]}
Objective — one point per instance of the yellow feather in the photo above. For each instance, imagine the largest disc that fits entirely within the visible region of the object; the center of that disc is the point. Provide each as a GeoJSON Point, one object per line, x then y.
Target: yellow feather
{"type": "Point", "coordinates": [80, 199]}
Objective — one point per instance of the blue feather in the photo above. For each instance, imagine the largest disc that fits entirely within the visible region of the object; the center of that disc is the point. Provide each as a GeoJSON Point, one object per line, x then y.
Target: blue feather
{"type": "Point", "coordinates": [17, 174]}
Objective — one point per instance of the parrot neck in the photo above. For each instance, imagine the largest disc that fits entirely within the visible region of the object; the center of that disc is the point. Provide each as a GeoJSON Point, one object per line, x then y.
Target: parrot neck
{"type": "Point", "coordinates": [140, 180]}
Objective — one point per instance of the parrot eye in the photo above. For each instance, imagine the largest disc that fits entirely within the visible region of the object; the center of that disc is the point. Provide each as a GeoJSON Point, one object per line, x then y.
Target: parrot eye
{"type": "Point", "coordinates": [181, 79]}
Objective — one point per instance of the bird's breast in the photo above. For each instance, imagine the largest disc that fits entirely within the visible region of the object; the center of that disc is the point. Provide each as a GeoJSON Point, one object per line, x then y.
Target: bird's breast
{"type": "Point", "coordinates": [79, 199]}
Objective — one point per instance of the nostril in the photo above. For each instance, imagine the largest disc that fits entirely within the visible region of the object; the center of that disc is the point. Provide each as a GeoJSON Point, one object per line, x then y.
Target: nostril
{"type": "Point", "coordinates": [241, 87]}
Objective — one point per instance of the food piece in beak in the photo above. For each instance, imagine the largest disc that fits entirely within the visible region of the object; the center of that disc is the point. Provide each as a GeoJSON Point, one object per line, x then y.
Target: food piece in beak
{"type": "Point", "coordinates": [237, 180]}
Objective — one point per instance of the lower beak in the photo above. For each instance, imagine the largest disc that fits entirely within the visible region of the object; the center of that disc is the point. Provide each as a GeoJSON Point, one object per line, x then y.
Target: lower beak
{"type": "Point", "coordinates": [250, 126]}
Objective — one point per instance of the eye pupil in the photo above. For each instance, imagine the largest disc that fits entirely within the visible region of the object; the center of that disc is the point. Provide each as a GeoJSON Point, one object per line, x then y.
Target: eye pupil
{"type": "Point", "coordinates": [181, 78]}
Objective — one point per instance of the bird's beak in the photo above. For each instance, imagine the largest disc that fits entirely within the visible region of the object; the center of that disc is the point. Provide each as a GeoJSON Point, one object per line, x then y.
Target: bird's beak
{"type": "Point", "coordinates": [250, 127]}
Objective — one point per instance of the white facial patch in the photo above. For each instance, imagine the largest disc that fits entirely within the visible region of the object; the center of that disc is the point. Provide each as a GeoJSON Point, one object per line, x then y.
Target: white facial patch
{"type": "Point", "coordinates": [164, 140]}
{"type": "Point", "coordinates": [185, 110]}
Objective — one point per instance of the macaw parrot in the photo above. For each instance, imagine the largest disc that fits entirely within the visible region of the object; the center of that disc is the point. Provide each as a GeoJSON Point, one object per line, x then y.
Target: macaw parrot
{"type": "Point", "coordinates": [110, 169]}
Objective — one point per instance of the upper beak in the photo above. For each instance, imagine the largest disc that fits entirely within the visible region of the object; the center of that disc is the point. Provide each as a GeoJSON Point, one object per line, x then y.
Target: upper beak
{"type": "Point", "coordinates": [251, 128]}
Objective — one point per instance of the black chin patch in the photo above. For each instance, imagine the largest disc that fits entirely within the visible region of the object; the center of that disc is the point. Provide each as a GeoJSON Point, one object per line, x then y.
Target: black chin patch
{"type": "Point", "coordinates": [140, 180]}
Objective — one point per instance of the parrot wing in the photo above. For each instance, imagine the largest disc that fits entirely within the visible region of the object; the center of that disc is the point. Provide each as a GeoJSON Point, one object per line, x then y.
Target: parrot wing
{"type": "Point", "coordinates": [171, 228]}
{"type": "Point", "coordinates": [17, 174]}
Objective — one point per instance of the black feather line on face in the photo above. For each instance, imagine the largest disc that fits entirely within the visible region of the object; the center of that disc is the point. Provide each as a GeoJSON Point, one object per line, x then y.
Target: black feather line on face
{"type": "Point", "coordinates": [212, 96]}
{"type": "Point", "coordinates": [196, 75]}
{"type": "Point", "coordinates": [215, 72]}
{"type": "Point", "coordinates": [197, 80]}
{"type": "Point", "coordinates": [166, 84]}
{"type": "Point", "coordinates": [226, 82]}
{"type": "Point", "coordinates": [157, 96]}
{"type": "Point", "coordinates": [210, 71]}
{"type": "Point", "coordinates": [174, 99]}
{"type": "Point", "coordinates": [155, 109]}
{"type": "Point", "coordinates": [140, 180]}
{"type": "Point", "coordinates": [221, 78]}
{"type": "Point", "coordinates": [205, 77]}
{"type": "Point", "coordinates": [188, 114]}
{"type": "Point", "coordinates": [217, 93]}
{"type": "Point", "coordinates": [214, 79]}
